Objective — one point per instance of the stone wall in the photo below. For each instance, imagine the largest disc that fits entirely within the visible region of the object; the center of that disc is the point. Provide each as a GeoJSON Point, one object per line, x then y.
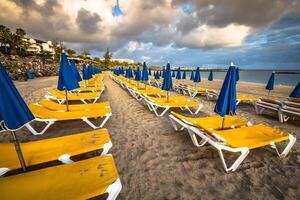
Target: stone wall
{"type": "Point", "coordinates": [18, 66]}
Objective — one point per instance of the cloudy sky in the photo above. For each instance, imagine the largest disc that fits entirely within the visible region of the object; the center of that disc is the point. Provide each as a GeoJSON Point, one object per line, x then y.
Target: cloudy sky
{"type": "Point", "coordinates": [256, 33]}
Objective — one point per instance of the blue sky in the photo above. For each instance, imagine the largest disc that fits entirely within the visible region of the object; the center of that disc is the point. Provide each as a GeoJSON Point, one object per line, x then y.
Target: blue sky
{"type": "Point", "coordinates": [252, 34]}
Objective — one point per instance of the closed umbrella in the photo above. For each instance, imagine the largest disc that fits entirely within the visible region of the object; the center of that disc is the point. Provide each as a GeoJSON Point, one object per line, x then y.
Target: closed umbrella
{"type": "Point", "coordinates": [270, 84]}
{"type": "Point", "coordinates": [184, 75]}
{"type": "Point", "coordinates": [192, 76]}
{"type": "Point", "coordinates": [178, 75]}
{"type": "Point", "coordinates": [75, 71]}
{"type": "Point", "coordinates": [210, 76]}
{"type": "Point", "coordinates": [296, 92]}
{"type": "Point", "coordinates": [14, 113]}
{"type": "Point", "coordinates": [137, 74]}
{"type": "Point", "coordinates": [66, 78]}
{"type": "Point", "coordinates": [197, 77]}
{"type": "Point", "coordinates": [237, 74]}
{"type": "Point", "coordinates": [167, 81]}
{"type": "Point", "coordinates": [173, 74]}
{"type": "Point", "coordinates": [226, 103]}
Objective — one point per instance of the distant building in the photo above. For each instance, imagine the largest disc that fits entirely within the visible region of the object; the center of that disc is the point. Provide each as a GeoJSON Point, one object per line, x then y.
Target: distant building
{"type": "Point", "coordinates": [38, 46]}
{"type": "Point", "coordinates": [129, 61]}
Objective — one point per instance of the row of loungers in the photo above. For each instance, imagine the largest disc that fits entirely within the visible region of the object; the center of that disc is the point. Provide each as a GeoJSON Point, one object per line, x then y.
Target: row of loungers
{"type": "Point", "coordinates": [286, 110]}
{"type": "Point", "coordinates": [210, 94]}
{"type": "Point", "coordinates": [156, 99]}
{"type": "Point", "coordinates": [82, 179]}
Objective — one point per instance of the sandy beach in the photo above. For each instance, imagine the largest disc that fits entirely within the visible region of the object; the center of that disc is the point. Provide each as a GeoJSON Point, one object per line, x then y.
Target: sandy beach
{"type": "Point", "coordinates": [155, 162]}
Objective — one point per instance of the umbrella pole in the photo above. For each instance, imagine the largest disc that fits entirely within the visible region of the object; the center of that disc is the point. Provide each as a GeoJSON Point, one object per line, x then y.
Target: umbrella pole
{"type": "Point", "coordinates": [168, 94]}
{"type": "Point", "coordinates": [67, 101]}
{"type": "Point", "coordinates": [19, 151]}
{"type": "Point", "coordinates": [269, 93]}
{"type": "Point", "coordinates": [223, 122]}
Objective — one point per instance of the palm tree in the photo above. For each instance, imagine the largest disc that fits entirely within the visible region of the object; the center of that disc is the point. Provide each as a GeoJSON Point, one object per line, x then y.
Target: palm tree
{"type": "Point", "coordinates": [14, 40]}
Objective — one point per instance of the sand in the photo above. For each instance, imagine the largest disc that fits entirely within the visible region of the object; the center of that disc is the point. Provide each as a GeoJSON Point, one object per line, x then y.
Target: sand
{"type": "Point", "coordinates": [155, 162]}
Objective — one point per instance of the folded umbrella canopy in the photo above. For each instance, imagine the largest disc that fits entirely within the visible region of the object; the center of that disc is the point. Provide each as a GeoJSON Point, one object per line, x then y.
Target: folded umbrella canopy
{"type": "Point", "coordinates": [167, 81]}
{"type": "Point", "coordinates": [226, 103]}
{"type": "Point", "coordinates": [149, 72]}
{"type": "Point", "coordinates": [137, 74]}
{"type": "Point", "coordinates": [197, 77]}
{"type": "Point", "coordinates": [91, 71]}
{"type": "Point", "coordinates": [173, 74]}
{"type": "Point", "coordinates": [156, 75]}
{"type": "Point", "coordinates": [270, 84]}
{"type": "Point", "coordinates": [210, 76]}
{"type": "Point", "coordinates": [14, 113]}
{"type": "Point", "coordinates": [178, 75]}
{"type": "Point", "coordinates": [184, 75]}
{"type": "Point", "coordinates": [85, 73]}
{"type": "Point", "coordinates": [130, 73]}
{"type": "Point", "coordinates": [66, 77]}
{"type": "Point", "coordinates": [192, 76]}
{"type": "Point", "coordinates": [296, 92]}
{"type": "Point", "coordinates": [97, 71]}
{"type": "Point", "coordinates": [145, 76]}
{"type": "Point", "coordinates": [75, 71]}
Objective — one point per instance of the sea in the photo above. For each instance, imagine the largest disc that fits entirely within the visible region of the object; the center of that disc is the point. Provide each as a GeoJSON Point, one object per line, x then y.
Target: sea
{"type": "Point", "coordinates": [282, 77]}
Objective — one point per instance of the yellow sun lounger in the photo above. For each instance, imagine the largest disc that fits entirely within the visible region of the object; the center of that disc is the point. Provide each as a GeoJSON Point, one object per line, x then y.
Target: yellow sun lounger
{"type": "Point", "coordinates": [240, 139]}
{"type": "Point", "coordinates": [155, 103]}
{"type": "Point", "coordinates": [206, 124]}
{"type": "Point", "coordinates": [60, 96]}
{"type": "Point", "coordinates": [60, 148]}
{"type": "Point", "coordinates": [79, 180]}
{"type": "Point", "coordinates": [51, 105]}
{"type": "Point", "coordinates": [43, 114]}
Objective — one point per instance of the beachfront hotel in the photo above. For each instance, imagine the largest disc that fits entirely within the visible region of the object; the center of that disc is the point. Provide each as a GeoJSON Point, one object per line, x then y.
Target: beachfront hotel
{"type": "Point", "coordinates": [143, 100]}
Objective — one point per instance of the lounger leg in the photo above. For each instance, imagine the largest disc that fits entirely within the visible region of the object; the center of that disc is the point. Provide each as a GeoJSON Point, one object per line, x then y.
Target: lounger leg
{"type": "Point", "coordinates": [114, 189]}
{"type": "Point", "coordinates": [244, 152]}
{"type": "Point", "coordinates": [288, 147]}
{"type": "Point", "coordinates": [237, 102]}
{"type": "Point", "coordinates": [106, 148]}
{"type": "Point", "coordinates": [96, 99]}
{"type": "Point", "coordinates": [34, 132]}
{"type": "Point", "coordinates": [83, 101]}
{"type": "Point", "coordinates": [173, 122]}
{"type": "Point", "coordinates": [65, 158]}
{"type": "Point", "coordinates": [3, 171]}
{"type": "Point", "coordinates": [195, 140]}
{"type": "Point", "coordinates": [93, 125]}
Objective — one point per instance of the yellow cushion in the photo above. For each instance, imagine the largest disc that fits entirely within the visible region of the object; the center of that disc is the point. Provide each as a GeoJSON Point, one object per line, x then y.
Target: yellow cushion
{"type": "Point", "coordinates": [73, 97]}
{"type": "Point", "coordinates": [56, 106]}
{"type": "Point", "coordinates": [213, 122]}
{"type": "Point", "coordinates": [253, 136]}
{"type": "Point", "coordinates": [44, 113]}
{"type": "Point", "coordinates": [41, 151]}
{"type": "Point", "coordinates": [79, 180]}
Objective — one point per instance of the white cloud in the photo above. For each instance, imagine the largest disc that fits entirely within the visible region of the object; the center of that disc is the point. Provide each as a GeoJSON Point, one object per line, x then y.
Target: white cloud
{"type": "Point", "coordinates": [145, 58]}
{"type": "Point", "coordinates": [138, 46]}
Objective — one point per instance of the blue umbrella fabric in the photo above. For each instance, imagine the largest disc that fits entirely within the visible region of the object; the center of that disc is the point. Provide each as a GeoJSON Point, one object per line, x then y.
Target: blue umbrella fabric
{"type": "Point", "coordinates": [149, 72]}
{"type": "Point", "coordinates": [270, 84]}
{"type": "Point", "coordinates": [178, 75]}
{"type": "Point", "coordinates": [97, 71]}
{"type": "Point", "coordinates": [85, 72]}
{"type": "Point", "coordinates": [145, 76]}
{"type": "Point", "coordinates": [137, 74]}
{"type": "Point", "coordinates": [210, 76]}
{"type": "Point", "coordinates": [75, 71]}
{"type": "Point", "coordinates": [156, 75]}
{"type": "Point", "coordinates": [192, 76]}
{"type": "Point", "coordinates": [173, 74]}
{"type": "Point", "coordinates": [66, 78]}
{"type": "Point", "coordinates": [237, 74]}
{"type": "Point", "coordinates": [160, 74]}
{"type": "Point", "coordinates": [184, 75]}
{"type": "Point", "coordinates": [296, 92]}
{"type": "Point", "coordinates": [14, 112]}
{"type": "Point", "coordinates": [197, 77]}
{"type": "Point", "coordinates": [226, 103]}
{"type": "Point", "coordinates": [91, 70]}
{"type": "Point", "coordinates": [126, 73]}
{"type": "Point", "coordinates": [167, 82]}
{"type": "Point", "coordinates": [130, 73]}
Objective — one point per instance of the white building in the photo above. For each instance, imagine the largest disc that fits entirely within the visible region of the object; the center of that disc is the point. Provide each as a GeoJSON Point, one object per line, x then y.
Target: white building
{"type": "Point", "coordinates": [48, 47]}
{"type": "Point", "coordinates": [35, 46]}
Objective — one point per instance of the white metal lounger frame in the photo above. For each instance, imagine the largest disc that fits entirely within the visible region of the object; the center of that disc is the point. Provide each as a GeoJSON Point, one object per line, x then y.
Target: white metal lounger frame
{"type": "Point", "coordinates": [220, 144]}
{"type": "Point", "coordinates": [261, 107]}
{"type": "Point", "coordinates": [154, 107]}
{"type": "Point", "coordinates": [285, 114]}
{"type": "Point", "coordinates": [50, 122]}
